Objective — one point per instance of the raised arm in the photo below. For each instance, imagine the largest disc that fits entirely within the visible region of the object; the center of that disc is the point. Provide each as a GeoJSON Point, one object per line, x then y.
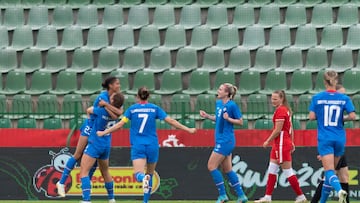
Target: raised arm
{"type": "Point", "coordinates": [114, 128]}
{"type": "Point", "coordinates": [112, 110]}
{"type": "Point", "coordinates": [206, 115]}
{"type": "Point", "coordinates": [178, 125]}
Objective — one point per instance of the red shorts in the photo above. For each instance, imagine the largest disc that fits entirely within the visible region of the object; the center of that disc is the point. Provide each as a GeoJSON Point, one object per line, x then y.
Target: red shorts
{"type": "Point", "coordinates": [281, 153]}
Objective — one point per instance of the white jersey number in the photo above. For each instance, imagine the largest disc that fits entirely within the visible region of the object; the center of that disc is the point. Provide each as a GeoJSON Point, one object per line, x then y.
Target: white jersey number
{"type": "Point", "coordinates": [143, 122]}
{"type": "Point", "coordinates": [331, 115]}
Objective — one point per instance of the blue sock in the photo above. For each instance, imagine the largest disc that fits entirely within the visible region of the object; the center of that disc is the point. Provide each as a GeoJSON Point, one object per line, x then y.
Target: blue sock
{"type": "Point", "coordinates": [147, 195]}
{"type": "Point", "coordinates": [110, 189]}
{"type": "Point", "coordinates": [332, 178]}
{"type": "Point", "coordinates": [92, 170]}
{"type": "Point", "coordinates": [219, 181]}
{"type": "Point", "coordinates": [139, 176]}
{"type": "Point", "coordinates": [234, 181]}
{"type": "Point", "coordinates": [86, 188]}
{"type": "Point", "coordinates": [68, 168]}
{"type": "Point", "coordinates": [325, 191]}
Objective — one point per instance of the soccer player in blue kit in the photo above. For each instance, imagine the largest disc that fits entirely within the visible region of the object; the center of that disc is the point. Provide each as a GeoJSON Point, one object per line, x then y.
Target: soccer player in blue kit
{"type": "Point", "coordinates": [227, 114]}
{"type": "Point", "coordinates": [328, 108]}
{"type": "Point", "coordinates": [143, 138]}
{"type": "Point", "coordinates": [98, 149]}
{"type": "Point", "coordinates": [112, 85]}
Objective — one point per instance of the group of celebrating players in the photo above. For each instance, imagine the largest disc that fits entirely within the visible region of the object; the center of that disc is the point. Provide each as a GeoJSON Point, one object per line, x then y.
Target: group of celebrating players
{"type": "Point", "coordinates": [326, 107]}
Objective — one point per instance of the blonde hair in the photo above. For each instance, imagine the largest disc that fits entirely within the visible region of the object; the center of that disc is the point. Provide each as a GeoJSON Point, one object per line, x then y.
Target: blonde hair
{"type": "Point", "coordinates": [285, 102]}
{"type": "Point", "coordinates": [230, 89]}
{"type": "Point", "coordinates": [331, 78]}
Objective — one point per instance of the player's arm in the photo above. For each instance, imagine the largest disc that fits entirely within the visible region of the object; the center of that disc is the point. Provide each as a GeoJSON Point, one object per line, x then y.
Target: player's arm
{"type": "Point", "coordinates": [114, 128]}
{"type": "Point", "coordinates": [207, 116]}
{"type": "Point", "coordinates": [178, 125]}
{"type": "Point", "coordinates": [89, 111]}
{"type": "Point", "coordinates": [278, 126]}
{"type": "Point", "coordinates": [112, 110]}
{"type": "Point", "coordinates": [350, 117]}
{"type": "Point", "coordinates": [312, 115]}
{"type": "Point", "coordinates": [236, 121]}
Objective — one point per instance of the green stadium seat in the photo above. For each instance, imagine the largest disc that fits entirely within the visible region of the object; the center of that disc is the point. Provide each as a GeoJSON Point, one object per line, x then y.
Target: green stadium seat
{"type": "Point", "coordinates": [3, 105]}
{"type": "Point", "coordinates": [295, 15]}
{"type": "Point", "coordinates": [243, 16]}
{"type": "Point", "coordinates": [102, 3]}
{"type": "Point", "coordinates": [160, 60]}
{"type": "Point", "coordinates": [316, 60]}
{"type": "Point", "coordinates": [217, 17]}
{"type": "Point", "coordinates": [97, 38]}
{"type": "Point", "coordinates": [9, 3]}
{"type": "Point", "coordinates": [191, 123]}
{"type": "Point", "coordinates": [71, 105]}
{"type": "Point", "coordinates": [87, 16]}
{"type": "Point", "coordinates": [186, 60]}
{"type": "Point", "coordinates": [26, 4]}
{"type": "Point", "coordinates": [291, 60]}
{"type": "Point", "coordinates": [356, 102]}
{"type": "Point", "coordinates": [138, 17]}
{"type": "Point", "coordinates": [311, 125]}
{"type": "Point", "coordinates": [13, 17]}
{"type": "Point", "coordinates": [72, 38]}
{"type": "Point", "coordinates": [349, 78]}
{"type": "Point", "coordinates": [347, 16]}
{"type": "Point", "coordinates": [336, 3]}
{"type": "Point", "coordinates": [256, 107]}
{"type": "Point", "coordinates": [156, 99]}
{"type": "Point", "coordinates": [30, 61]}
{"type": "Point", "coordinates": [275, 80]}
{"type": "Point", "coordinates": [113, 16]}
{"type": "Point", "coordinates": [38, 17]}
{"type": "Point", "coordinates": [82, 61]}
{"type": "Point", "coordinates": [8, 60]}
{"type": "Point", "coordinates": [284, 3]}
{"type": "Point", "coordinates": [130, 3]}
{"type": "Point", "coordinates": [309, 3]}
{"type": "Point", "coordinates": [201, 38]}
{"type": "Point", "coordinates": [123, 38]}
{"type": "Point", "coordinates": [342, 60]}
{"type": "Point", "coordinates": [149, 38]}
{"type": "Point", "coordinates": [353, 39]}
{"type": "Point", "coordinates": [108, 60]}
{"type": "Point", "coordinates": [163, 125]}
{"type": "Point", "coordinates": [52, 123]}
{"type": "Point", "coordinates": [205, 102]}
{"type": "Point", "coordinates": [142, 79]}
{"type": "Point", "coordinates": [199, 83]}
{"type": "Point", "coordinates": [22, 38]}
{"type": "Point", "coordinates": [5, 123]}
{"type": "Point", "coordinates": [124, 79]}
{"type": "Point", "coordinates": [180, 106]}
{"type": "Point", "coordinates": [175, 37]}
{"type": "Point", "coordinates": [171, 83]}
{"type": "Point", "coordinates": [244, 126]}
{"type": "Point", "coordinates": [322, 15]}
{"type": "Point", "coordinates": [76, 123]}
{"type": "Point", "coordinates": [302, 109]}
{"type": "Point", "coordinates": [263, 124]}
{"type": "Point", "coordinates": [231, 3]}
{"type": "Point", "coordinates": [40, 83]}
{"type": "Point", "coordinates": [213, 60]}
{"type": "Point", "coordinates": [26, 123]}
{"type": "Point", "coordinates": [47, 106]}
{"type": "Point", "coordinates": [265, 60]}
{"type": "Point", "coordinates": [190, 16]}
{"type": "Point", "coordinates": [254, 37]}
{"type": "Point", "coordinates": [4, 43]}
{"type": "Point", "coordinates": [205, 3]}
{"type": "Point", "coordinates": [239, 60]}
{"type": "Point", "coordinates": [249, 82]}
{"type": "Point", "coordinates": [154, 3]}
{"type": "Point", "coordinates": [228, 37]}
{"type": "Point", "coordinates": [66, 83]}
{"type": "Point", "coordinates": [90, 84]}
{"type": "Point", "coordinates": [296, 124]}
{"type": "Point", "coordinates": [15, 83]}
{"type": "Point", "coordinates": [78, 4]}
{"type": "Point", "coordinates": [20, 107]}
{"type": "Point", "coordinates": [331, 37]}
{"type": "Point", "coordinates": [62, 17]}
{"type": "Point", "coordinates": [222, 77]}
{"type": "Point", "coordinates": [319, 83]}
{"type": "Point", "coordinates": [357, 66]}
{"type": "Point", "coordinates": [54, 3]}
{"type": "Point", "coordinates": [258, 3]}
{"type": "Point", "coordinates": [179, 3]}
{"type": "Point", "coordinates": [301, 83]}
{"type": "Point", "coordinates": [305, 37]}
{"type": "Point", "coordinates": [55, 61]}
{"type": "Point", "coordinates": [46, 39]}
{"type": "Point", "coordinates": [349, 124]}
{"type": "Point", "coordinates": [269, 16]}
{"type": "Point", "coordinates": [279, 37]}
{"type": "Point", "coordinates": [133, 60]}
{"type": "Point", "coordinates": [164, 16]}
{"type": "Point", "coordinates": [208, 124]}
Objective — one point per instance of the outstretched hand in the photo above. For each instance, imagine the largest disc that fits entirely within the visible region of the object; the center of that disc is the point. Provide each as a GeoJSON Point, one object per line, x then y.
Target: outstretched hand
{"type": "Point", "coordinates": [203, 114]}
{"type": "Point", "coordinates": [100, 133]}
{"type": "Point", "coordinates": [192, 130]}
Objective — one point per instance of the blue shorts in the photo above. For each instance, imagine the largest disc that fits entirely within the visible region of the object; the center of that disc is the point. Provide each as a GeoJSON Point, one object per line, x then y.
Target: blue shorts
{"type": "Point", "coordinates": [336, 147]}
{"type": "Point", "coordinates": [97, 152]}
{"type": "Point", "coordinates": [148, 152]}
{"type": "Point", "coordinates": [224, 148]}
{"type": "Point", "coordinates": [85, 129]}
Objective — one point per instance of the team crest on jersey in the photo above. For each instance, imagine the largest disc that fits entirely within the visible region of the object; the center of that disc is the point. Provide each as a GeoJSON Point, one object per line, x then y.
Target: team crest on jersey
{"type": "Point", "coordinates": [46, 177]}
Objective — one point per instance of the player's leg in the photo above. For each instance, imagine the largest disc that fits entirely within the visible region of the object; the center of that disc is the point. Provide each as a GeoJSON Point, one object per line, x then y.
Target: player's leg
{"type": "Point", "coordinates": [290, 175]}
{"type": "Point", "coordinates": [331, 179]}
{"type": "Point", "coordinates": [109, 183]}
{"type": "Point", "coordinates": [152, 156]}
{"type": "Point", "coordinates": [215, 159]}
{"type": "Point", "coordinates": [86, 163]}
{"type": "Point", "coordinates": [317, 195]}
{"type": "Point", "coordinates": [342, 171]}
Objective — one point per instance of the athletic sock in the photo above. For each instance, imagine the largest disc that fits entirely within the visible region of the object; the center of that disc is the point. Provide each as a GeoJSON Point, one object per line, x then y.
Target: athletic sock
{"type": "Point", "coordinates": [234, 182]}
{"type": "Point", "coordinates": [270, 185]}
{"type": "Point", "coordinates": [86, 188]}
{"type": "Point", "coordinates": [219, 181]}
{"type": "Point", "coordinates": [295, 184]}
{"type": "Point", "coordinates": [139, 176]}
{"type": "Point", "coordinates": [148, 194]}
{"type": "Point", "coordinates": [70, 164]}
{"type": "Point", "coordinates": [317, 194]}
{"type": "Point", "coordinates": [345, 186]}
{"type": "Point", "coordinates": [110, 189]}
{"type": "Point", "coordinates": [333, 180]}
{"type": "Point", "coordinates": [325, 191]}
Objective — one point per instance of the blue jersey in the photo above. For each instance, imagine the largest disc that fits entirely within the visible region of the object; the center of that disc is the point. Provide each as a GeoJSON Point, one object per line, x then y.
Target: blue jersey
{"type": "Point", "coordinates": [104, 95]}
{"type": "Point", "coordinates": [143, 123]}
{"type": "Point", "coordinates": [102, 121]}
{"type": "Point", "coordinates": [329, 107]}
{"type": "Point", "coordinates": [224, 130]}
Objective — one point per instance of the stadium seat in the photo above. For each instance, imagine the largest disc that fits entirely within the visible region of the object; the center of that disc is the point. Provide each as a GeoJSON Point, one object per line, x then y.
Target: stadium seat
{"type": "Point", "coordinates": [47, 106]}
{"type": "Point", "coordinates": [133, 60]}
{"type": "Point", "coordinates": [316, 60]}
{"type": "Point", "coordinates": [254, 37]}
{"type": "Point", "coordinates": [54, 3]}
{"type": "Point", "coordinates": [160, 60]}
{"type": "Point", "coordinates": [291, 60]}
{"type": "Point", "coordinates": [113, 16]}
{"type": "Point", "coordinates": [284, 3]}
{"type": "Point", "coordinates": [349, 78]}
{"type": "Point", "coordinates": [275, 80]}
{"type": "Point", "coordinates": [171, 83]}
{"type": "Point", "coordinates": [305, 37]}
{"type": "Point", "coordinates": [4, 43]}
{"type": "Point", "coordinates": [149, 38]}
{"type": "Point", "coordinates": [164, 16]}
{"type": "Point", "coordinates": [228, 37]}
{"type": "Point", "coordinates": [15, 83]}
{"type": "Point", "coordinates": [130, 3]}
{"type": "Point", "coordinates": [353, 39]}
{"type": "Point", "coordinates": [296, 124]}
{"type": "Point", "coordinates": [331, 37]}
{"type": "Point", "coordinates": [22, 38]}
{"type": "Point", "coordinates": [66, 83]}
{"type": "Point", "coordinates": [258, 3]}
{"type": "Point", "coordinates": [52, 123]}
{"type": "Point", "coordinates": [87, 16]}
{"type": "Point", "coordinates": [108, 60]}
{"type": "Point", "coordinates": [279, 37]}
{"type": "Point", "coordinates": [263, 124]}
{"type": "Point", "coordinates": [222, 77]}
{"type": "Point", "coordinates": [186, 60]}
{"type": "Point", "coordinates": [71, 105]}
{"type": "Point", "coordinates": [191, 123]}
{"type": "Point", "coordinates": [295, 15]}
{"type": "Point", "coordinates": [205, 102]}
{"type": "Point", "coordinates": [30, 61]}
{"type": "Point", "coordinates": [231, 3]}
{"type": "Point", "coordinates": [336, 3]}
{"type": "Point", "coordinates": [199, 83]}
{"type": "Point", "coordinates": [46, 38]}
{"type": "Point", "coordinates": [302, 109]}
{"type": "Point", "coordinates": [78, 4]}
{"type": "Point", "coordinates": [62, 17]}
{"type": "Point", "coordinates": [154, 3]}
{"type": "Point", "coordinates": [269, 16]}
{"type": "Point", "coordinates": [208, 124]}
{"type": "Point", "coordinates": [40, 83]}
{"type": "Point", "coordinates": [124, 79]}
{"type": "Point", "coordinates": [180, 106]}
{"type": "Point", "coordinates": [26, 4]}
{"type": "Point", "coordinates": [82, 61]}
{"type": "Point", "coordinates": [76, 123]}
{"type": "Point", "coordinates": [322, 15]}
{"type": "Point", "coordinates": [244, 126]}
{"type": "Point", "coordinates": [342, 60]}
{"type": "Point", "coordinates": [175, 37]}
{"type": "Point", "coordinates": [217, 17]}
{"type": "Point", "coordinates": [201, 38]}
{"type": "Point", "coordinates": [213, 60]}
{"type": "Point", "coordinates": [26, 123]}
{"type": "Point", "coordinates": [71, 38]}
{"type": "Point", "coordinates": [205, 3]}
{"type": "Point", "coordinates": [179, 3]}
{"type": "Point", "coordinates": [156, 99]}
{"type": "Point", "coordinates": [349, 124]}
{"type": "Point", "coordinates": [129, 100]}
{"type": "Point", "coordinates": [138, 17]}
{"type": "Point", "coordinates": [319, 82]}
{"type": "Point", "coordinates": [347, 16]}
{"type": "Point", "coordinates": [102, 3]}
{"type": "Point", "coordinates": [163, 125]}
{"type": "Point", "coordinates": [97, 38]}
{"type": "Point", "coordinates": [309, 3]}
{"type": "Point", "coordinates": [20, 107]}
{"type": "Point", "coordinates": [249, 82]}
{"type": "Point", "coordinates": [5, 123]}
{"type": "Point", "coordinates": [301, 83]}
{"type": "Point", "coordinates": [8, 60]}
{"type": "Point", "coordinates": [123, 38]}
{"type": "Point", "coordinates": [356, 102]}
{"type": "Point", "coordinates": [13, 18]}
{"type": "Point", "coordinates": [311, 125]}
{"type": "Point", "coordinates": [55, 61]}
{"type": "Point", "coordinates": [38, 17]}
{"type": "Point", "coordinates": [190, 16]}
{"type": "Point", "coordinates": [90, 84]}
{"type": "Point", "coordinates": [3, 104]}
{"type": "Point", "coordinates": [239, 60]}
{"type": "Point", "coordinates": [243, 16]}
{"type": "Point", "coordinates": [142, 79]}
{"type": "Point", "coordinates": [265, 60]}
{"type": "Point", "coordinates": [256, 107]}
